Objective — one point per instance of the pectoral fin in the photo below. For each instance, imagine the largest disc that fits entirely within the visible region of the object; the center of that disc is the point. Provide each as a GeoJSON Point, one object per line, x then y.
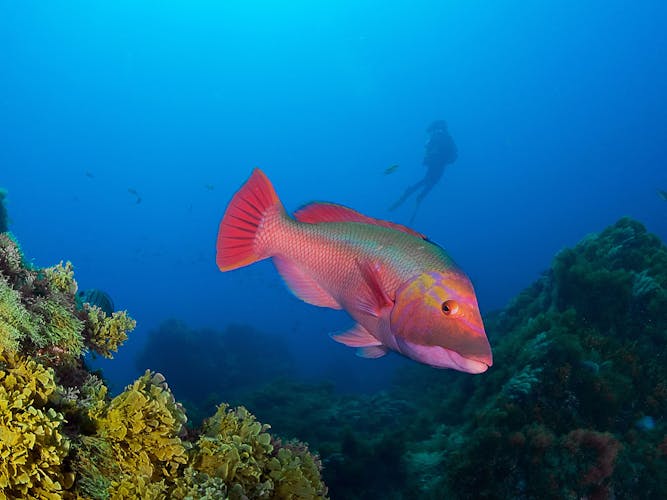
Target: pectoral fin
{"type": "Point", "coordinates": [357, 336]}
{"type": "Point", "coordinates": [374, 298]}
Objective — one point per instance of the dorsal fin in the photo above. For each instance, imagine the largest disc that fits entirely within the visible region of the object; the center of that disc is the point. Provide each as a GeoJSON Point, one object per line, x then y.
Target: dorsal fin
{"type": "Point", "coordinates": [317, 211]}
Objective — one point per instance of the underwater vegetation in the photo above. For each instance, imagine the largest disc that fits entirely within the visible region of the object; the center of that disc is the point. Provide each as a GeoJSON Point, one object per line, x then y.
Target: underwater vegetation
{"type": "Point", "coordinates": [188, 356]}
{"type": "Point", "coordinates": [573, 407]}
{"type": "Point", "coordinates": [361, 438]}
{"type": "Point", "coordinates": [580, 360]}
{"type": "Point", "coordinates": [62, 436]}
{"type": "Point", "coordinates": [39, 315]}
{"type": "Point", "coordinates": [346, 431]}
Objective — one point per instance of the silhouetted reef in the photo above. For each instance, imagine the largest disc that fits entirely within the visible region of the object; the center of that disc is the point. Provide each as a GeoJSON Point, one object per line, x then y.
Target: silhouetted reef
{"type": "Point", "coordinates": [573, 406]}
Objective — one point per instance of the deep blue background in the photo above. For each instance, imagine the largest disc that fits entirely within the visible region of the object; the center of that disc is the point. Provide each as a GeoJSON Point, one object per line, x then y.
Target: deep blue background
{"type": "Point", "coordinates": [559, 113]}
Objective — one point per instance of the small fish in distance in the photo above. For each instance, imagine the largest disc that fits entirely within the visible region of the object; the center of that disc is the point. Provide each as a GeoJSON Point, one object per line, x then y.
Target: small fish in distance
{"type": "Point", "coordinates": [391, 169]}
{"type": "Point", "coordinates": [134, 192]}
{"type": "Point", "coordinates": [404, 292]}
{"type": "Point", "coordinates": [96, 297]}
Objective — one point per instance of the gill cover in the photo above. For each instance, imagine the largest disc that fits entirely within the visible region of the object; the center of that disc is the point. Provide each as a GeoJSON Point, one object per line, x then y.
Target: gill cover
{"type": "Point", "coordinates": [440, 309]}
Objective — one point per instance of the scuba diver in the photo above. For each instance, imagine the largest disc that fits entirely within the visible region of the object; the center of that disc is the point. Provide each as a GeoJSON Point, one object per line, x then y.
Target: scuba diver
{"type": "Point", "coordinates": [440, 151]}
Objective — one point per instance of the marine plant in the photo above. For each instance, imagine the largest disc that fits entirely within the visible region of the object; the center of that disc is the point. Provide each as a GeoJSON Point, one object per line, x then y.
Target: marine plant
{"type": "Point", "coordinates": [579, 370]}
{"type": "Point", "coordinates": [63, 436]}
{"type": "Point", "coordinates": [33, 446]}
{"type": "Point", "coordinates": [577, 365]}
{"type": "Point", "coordinates": [142, 426]}
{"type": "Point", "coordinates": [39, 314]}
{"type": "Point", "coordinates": [236, 448]}
{"type": "Point", "coordinates": [106, 333]}
{"type": "Point", "coordinates": [353, 433]}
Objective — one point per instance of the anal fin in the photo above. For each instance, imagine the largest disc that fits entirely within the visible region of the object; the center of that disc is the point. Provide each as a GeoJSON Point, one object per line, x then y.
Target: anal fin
{"type": "Point", "coordinates": [303, 285]}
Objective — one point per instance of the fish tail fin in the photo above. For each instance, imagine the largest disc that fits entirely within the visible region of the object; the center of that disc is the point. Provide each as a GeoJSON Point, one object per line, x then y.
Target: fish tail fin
{"type": "Point", "coordinates": [238, 244]}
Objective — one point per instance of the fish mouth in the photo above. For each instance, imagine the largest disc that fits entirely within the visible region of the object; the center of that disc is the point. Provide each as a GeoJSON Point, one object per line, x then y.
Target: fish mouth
{"type": "Point", "coordinates": [440, 357]}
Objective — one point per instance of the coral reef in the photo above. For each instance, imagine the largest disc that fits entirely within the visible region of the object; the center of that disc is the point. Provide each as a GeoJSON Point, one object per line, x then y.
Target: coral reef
{"type": "Point", "coordinates": [573, 407]}
{"type": "Point", "coordinates": [39, 314]}
{"type": "Point", "coordinates": [578, 371]}
{"type": "Point", "coordinates": [106, 333]}
{"type": "Point", "coordinates": [33, 448]}
{"type": "Point", "coordinates": [142, 426]}
{"type": "Point", "coordinates": [354, 434]}
{"type": "Point", "coordinates": [578, 361]}
{"type": "Point", "coordinates": [236, 448]}
{"type": "Point", "coordinates": [61, 436]}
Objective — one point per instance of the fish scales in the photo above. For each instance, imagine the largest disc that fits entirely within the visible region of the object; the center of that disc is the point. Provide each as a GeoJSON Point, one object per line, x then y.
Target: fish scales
{"type": "Point", "coordinates": [317, 246]}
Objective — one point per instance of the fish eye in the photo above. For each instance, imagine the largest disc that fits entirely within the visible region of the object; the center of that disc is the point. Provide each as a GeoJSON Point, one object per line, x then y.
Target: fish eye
{"type": "Point", "coordinates": [450, 307]}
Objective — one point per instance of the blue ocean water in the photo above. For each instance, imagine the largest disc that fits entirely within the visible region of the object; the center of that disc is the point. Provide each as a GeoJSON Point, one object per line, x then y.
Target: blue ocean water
{"type": "Point", "coordinates": [126, 127]}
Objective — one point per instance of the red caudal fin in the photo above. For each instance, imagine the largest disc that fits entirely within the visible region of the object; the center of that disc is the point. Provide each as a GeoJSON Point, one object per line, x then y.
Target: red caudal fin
{"type": "Point", "coordinates": [237, 237]}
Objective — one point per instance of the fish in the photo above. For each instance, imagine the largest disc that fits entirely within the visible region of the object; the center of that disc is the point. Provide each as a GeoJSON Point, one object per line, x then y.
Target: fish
{"type": "Point", "coordinates": [134, 192]}
{"type": "Point", "coordinates": [662, 194]}
{"type": "Point", "coordinates": [404, 292]}
{"type": "Point", "coordinates": [391, 169]}
{"type": "Point", "coordinates": [96, 297]}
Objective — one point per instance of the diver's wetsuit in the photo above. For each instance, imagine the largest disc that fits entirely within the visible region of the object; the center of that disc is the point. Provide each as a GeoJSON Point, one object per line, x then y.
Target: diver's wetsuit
{"type": "Point", "coordinates": [440, 151]}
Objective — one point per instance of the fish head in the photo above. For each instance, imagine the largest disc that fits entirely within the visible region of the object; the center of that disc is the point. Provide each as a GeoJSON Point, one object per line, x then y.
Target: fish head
{"type": "Point", "coordinates": [436, 320]}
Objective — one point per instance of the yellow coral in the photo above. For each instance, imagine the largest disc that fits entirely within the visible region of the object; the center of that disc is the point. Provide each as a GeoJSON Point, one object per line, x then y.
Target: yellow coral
{"type": "Point", "coordinates": [142, 426]}
{"type": "Point", "coordinates": [32, 447]}
{"type": "Point", "coordinates": [296, 474]}
{"type": "Point", "coordinates": [194, 484]}
{"type": "Point", "coordinates": [104, 334]}
{"type": "Point", "coordinates": [61, 277]}
{"type": "Point", "coordinates": [234, 446]}
{"type": "Point", "coordinates": [130, 487]}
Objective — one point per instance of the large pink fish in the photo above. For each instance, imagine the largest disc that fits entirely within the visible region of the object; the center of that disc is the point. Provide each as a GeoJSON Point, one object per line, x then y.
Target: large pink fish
{"type": "Point", "coordinates": [404, 292]}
